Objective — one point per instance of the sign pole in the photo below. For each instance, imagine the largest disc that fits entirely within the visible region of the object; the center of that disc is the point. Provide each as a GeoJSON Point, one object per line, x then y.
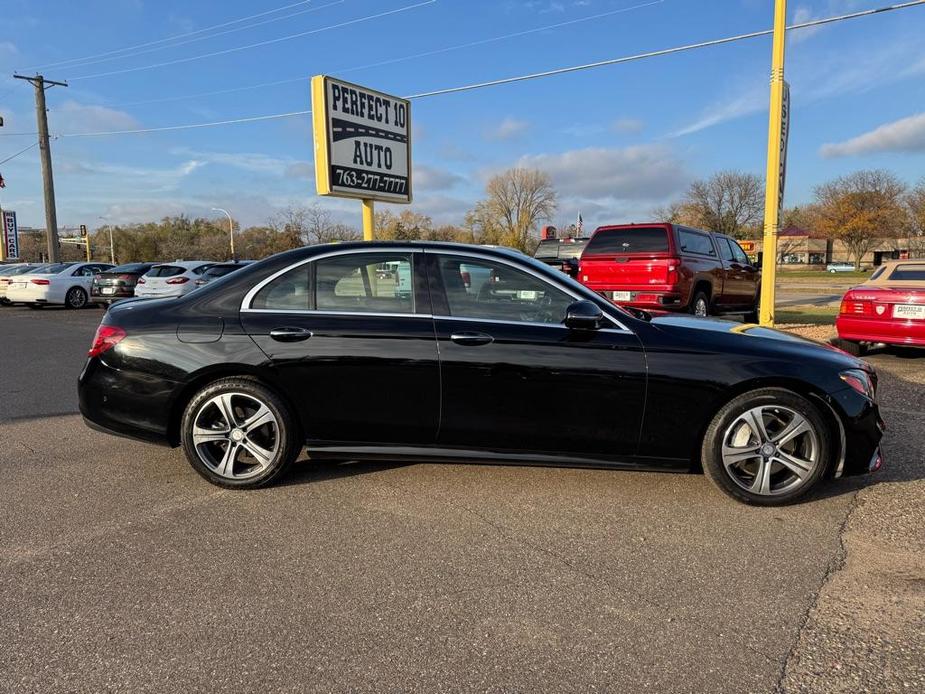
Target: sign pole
{"type": "Point", "coordinates": [777, 153]}
{"type": "Point", "coordinates": [369, 220]}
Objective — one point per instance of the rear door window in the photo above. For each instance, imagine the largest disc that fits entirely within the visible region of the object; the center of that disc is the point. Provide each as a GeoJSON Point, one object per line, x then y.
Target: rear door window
{"type": "Point", "coordinates": [695, 242]}
{"type": "Point", "coordinates": [630, 240]}
{"type": "Point", "coordinates": [290, 291]}
{"type": "Point", "coordinates": [725, 250]}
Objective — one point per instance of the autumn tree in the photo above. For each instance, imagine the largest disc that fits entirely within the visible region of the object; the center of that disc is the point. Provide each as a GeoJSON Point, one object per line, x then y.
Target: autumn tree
{"type": "Point", "coordinates": [915, 204]}
{"type": "Point", "coordinates": [516, 201]}
{"type": "Point", "coordinates": [861, 209]}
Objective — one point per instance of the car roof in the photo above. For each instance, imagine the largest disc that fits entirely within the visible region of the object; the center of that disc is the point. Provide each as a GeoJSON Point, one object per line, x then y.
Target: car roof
{"type": "Point", "coordinates": [186, 264]}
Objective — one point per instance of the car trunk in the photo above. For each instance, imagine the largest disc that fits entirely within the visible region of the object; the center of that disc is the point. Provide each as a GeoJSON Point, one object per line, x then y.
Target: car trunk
{"type": "Point", "coordinates": [886, 303]}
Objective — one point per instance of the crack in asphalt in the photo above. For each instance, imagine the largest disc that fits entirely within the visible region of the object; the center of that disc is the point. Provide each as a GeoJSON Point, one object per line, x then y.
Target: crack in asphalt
{"type": "Point", "coordinates": [836, 564]}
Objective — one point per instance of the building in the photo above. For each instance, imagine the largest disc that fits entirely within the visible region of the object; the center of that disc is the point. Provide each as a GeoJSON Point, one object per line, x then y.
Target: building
{"type": "Point", "coordinates": [800, 249]}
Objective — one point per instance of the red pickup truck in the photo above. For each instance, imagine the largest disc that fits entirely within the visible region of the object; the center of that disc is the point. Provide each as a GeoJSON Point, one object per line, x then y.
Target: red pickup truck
{"type": "Point", "coordinates": [671, 268]}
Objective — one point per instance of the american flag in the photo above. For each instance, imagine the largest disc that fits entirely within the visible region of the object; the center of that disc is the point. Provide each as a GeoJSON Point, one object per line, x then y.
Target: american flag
{"type": "Point", "coordinates": [2, 182]}
{"type": "Point", "coordinates": [580, 225]}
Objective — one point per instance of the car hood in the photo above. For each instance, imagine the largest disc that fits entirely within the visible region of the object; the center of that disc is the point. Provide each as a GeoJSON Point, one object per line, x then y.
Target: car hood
{"type": "Point", "coordinates": [768, 339]}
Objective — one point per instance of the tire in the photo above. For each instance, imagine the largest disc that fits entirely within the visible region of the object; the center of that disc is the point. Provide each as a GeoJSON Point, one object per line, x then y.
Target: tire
{"type": "Point", "coordinates": [75, 298]}
{"type": "Point", "coordinates": [261, 451]}
{"type": "Point", "coordinates": [700, 304]}
{"type": "Point", "coordinates": [752, 315]}
{"type": "Point", "coordinates": [735, 455]}
{"type": "Point", "coordinates": [855, 349]}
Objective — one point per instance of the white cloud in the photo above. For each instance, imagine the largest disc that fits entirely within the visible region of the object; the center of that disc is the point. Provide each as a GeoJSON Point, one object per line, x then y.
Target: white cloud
{"type": "Point", "coordinates": [254, 162]}
{"type": "Point", "coordinates": [642, 172]}
{"type": "Point", "coordinates": [628, 125]}
{"type": "Point", "coordinates": [74, 117]}
{"type": "Point", "coordinates": [432, 178]}
{"type": "Point", "coordinates": [509, 129]}
{"type": "Point", "coordinates": [903, 135]}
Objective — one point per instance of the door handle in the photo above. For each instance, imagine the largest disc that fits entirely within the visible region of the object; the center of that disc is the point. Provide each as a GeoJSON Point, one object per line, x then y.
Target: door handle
{"type": "Point", "coordinates": [290, 334]}
{"type": "Point", "coordinates": [471, 339]}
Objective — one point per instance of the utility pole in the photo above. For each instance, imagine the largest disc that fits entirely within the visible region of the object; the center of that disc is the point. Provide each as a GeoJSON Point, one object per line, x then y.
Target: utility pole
{"type": "Point", "coordinates": [778, 126]}
{"type": "Point", "coordinates": [41, 116]}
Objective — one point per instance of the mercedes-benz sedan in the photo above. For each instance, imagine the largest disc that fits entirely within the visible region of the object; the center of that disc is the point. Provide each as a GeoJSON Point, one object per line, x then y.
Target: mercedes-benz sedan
{"type": "Point", "coordinates": [317, 347]}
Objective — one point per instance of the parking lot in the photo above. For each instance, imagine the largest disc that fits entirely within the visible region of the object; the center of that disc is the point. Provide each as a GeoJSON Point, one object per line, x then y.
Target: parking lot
{"type": "Point", "coordinates": [122, 569]}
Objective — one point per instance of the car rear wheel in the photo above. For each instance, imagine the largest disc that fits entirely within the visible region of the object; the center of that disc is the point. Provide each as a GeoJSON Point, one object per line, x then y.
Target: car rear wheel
{"type": "Point", "coordinates": [768, 447]}
{"type": "Point", "coordinates": [75, 298]}
{"type": "Point", "coordinates": [856, 349]}
{"type": "Point", "coordinates": [239, 434]}
{"type": "Point", "coordinates": [700, 306]}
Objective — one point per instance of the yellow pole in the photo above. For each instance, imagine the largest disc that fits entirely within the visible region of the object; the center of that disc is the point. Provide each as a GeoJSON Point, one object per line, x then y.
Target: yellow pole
{"type": "Point", "coordinates": [369, 220]}
{"type": "Point", "coordinates": [773, 181]}
{"type": "Point", "coordinates": [87, 243]}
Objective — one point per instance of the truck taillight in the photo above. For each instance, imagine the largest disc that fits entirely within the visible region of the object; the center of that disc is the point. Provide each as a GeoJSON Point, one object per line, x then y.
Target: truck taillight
{"type": "Point", "coordinates": [673, 266]}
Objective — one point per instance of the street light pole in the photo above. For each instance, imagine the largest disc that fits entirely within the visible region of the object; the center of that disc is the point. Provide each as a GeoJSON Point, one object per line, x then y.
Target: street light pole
{"type": "Point", "coordinates": [230, 229]}
{"type": "Point", "coordinates": [112, 247]}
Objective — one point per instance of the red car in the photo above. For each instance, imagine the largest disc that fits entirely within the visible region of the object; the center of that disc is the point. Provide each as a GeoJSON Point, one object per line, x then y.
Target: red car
{"type": "Point", "coordinates": [888, 308]}
{"type": "Point", "coordinates": [670, 267]}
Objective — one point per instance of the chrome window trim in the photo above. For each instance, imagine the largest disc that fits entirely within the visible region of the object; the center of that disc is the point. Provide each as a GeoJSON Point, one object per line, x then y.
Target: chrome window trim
{"type": "Point", "coordinates": [249, 297]}
{"type": "Point", "coordinates": [314, 312]}
{"type": "Point", "coordinates": [620, 327]}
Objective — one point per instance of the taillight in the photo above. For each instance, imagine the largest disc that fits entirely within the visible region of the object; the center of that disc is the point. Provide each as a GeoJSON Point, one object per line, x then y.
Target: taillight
{"type": "Point", "coordinates": [126, 278]}
{"type": "Point", "coordinates": [178, 280]}
{"type": "Point", "coordinates": [673, 265]}
{"type": "Point", "coordinates": [141, 280]}
{"type": "Point", "coordinates": [853, 307]}
{"type": "Point", "coordinates": [41, 283]}
{"type": "Point", "coordinates": [107, 337]}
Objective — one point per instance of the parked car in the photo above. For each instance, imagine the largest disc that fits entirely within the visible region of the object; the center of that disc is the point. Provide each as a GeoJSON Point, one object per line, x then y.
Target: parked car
{"type": "Point", "coordinates": [562, 254]}
{"type": "Point", "coordinates": [888, 308]}
{"type": "Point", "coordinates": [55, 283]}
{"type": "Point", "coordinates": [117, 283]}
{"type": "Point", "coordinates": [170, 280]}
{"type": "Point", "coordinates": [671, 268]}
{"type": "Point", "coordinates": [533, 367]}
{"type": "Point", "coordinates": [7, 272]}
{"type": "Point", "coordinates": [839, 267]}
{"type": "Point", "coordinates": [220, 270]}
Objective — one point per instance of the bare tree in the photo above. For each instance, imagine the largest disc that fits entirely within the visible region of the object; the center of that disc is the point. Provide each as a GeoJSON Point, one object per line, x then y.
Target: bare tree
{"type": "Point", "coordinates": [516, 201]}
{"type": "Point", "coordinates": [731, 202]}
{"type": "Point", "coordinates": [862, 209]}
{"type": "Point", "coordinates": [311, 225]}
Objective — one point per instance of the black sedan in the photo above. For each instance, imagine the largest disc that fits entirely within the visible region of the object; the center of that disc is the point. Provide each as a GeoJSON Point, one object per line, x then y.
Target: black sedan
{"type": "Point", "coordinates": [462, 353]}
{"type": "Point", "coordinates": [118, 283]}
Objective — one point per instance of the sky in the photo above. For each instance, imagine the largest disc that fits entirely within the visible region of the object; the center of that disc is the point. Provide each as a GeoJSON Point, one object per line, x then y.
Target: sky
{"type": "Point", "coordinates": [617, 141]}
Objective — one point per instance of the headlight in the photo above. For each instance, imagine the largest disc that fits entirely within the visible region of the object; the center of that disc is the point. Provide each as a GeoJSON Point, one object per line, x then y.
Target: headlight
{"type": "Point", "coordinates": [860, 381]}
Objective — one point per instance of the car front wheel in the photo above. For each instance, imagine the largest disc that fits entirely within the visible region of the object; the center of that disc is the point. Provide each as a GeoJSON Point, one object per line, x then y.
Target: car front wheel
{"type": "Point", "coordinates": [239, 434]}
{"type": "Point", "coordinates": [768, 447]}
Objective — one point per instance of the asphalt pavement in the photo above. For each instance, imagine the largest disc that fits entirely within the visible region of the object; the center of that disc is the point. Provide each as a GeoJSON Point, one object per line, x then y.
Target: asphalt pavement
{"type": "Point", "coordinates": [121, 569]}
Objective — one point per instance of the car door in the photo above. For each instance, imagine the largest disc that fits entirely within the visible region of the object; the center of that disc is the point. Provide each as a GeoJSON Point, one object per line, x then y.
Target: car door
{"type": "Point", "coordinates": [748, 275]}
{"type": "Point", "coordinates": [735, 281]}
{"type": "Point", "coordinates": [352, 349]}
{"type": "Point", "coordinates": [515, 379]}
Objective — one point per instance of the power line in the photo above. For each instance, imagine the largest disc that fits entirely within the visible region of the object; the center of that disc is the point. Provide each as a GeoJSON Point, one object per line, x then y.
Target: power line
{"type": "Point", "coordinates": [535, 75]}
{"type": "Point", "coordinates": [22, 151]}
{"type": "Point", "coordinates": [247, 27]}
{"type": "Point", "coordinates": [447, 49]}
{"type": "Point", "coordinates": [259, 44]}
{"type": "Point", "coordinates": [170, 38]}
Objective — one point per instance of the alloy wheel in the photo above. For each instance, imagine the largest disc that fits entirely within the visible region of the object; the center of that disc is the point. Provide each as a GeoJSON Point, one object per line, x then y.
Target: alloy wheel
{"type": "Point", "coordinates": [700, 307]}
{"type": "Point", "coordinates": [76, 298]}
{"type": "Point", "coordinates": [236, 435]}
{"type": "Point", "coordinates": [770, 450]}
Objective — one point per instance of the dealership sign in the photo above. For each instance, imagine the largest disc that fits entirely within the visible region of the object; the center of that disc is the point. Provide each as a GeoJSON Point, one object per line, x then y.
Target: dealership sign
{"type": "Point", "coordinates": [362, 142]}
{"type": "Point", "coordinates": [10, 236]}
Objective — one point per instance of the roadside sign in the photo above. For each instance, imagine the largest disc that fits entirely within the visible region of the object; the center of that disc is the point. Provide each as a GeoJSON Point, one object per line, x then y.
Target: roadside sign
{"type": "Point", "coordinates": [362, 142]}
{"type": "Point", "coordinates": [10, 236]}
{"type": "Point", "coordinates": [784, 140]}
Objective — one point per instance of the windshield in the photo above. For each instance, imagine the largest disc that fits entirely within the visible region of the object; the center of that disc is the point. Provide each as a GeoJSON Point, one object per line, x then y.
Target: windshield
{"type": "Point", "coordinates": [629, 240]}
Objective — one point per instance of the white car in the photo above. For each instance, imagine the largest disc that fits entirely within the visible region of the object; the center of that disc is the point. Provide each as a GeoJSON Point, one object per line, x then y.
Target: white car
{"type": "Point", "coordinates": [170, 280]}
{"type": "Point", "coordinates": [7, 272]}
{"type": "Point", "coordinates": [55, 283]}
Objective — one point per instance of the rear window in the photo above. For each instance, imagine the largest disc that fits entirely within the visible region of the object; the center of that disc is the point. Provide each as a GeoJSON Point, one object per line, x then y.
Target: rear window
{"type": "Point", "coordinates": [165, 271]}
{"type": "Point", "coordinates": [908, 272]}
{"type": "Point", "coordinates": [220, 270]}
{"type": "Point", "coordinates": [547, 249]}
{"type": "Point", "coordinates": [131, 268]}
{"type": "Point", "coordinates": [632, 240]}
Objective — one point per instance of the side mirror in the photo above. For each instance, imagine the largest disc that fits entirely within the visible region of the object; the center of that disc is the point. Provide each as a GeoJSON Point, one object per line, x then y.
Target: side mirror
{"type": "Point", "coordinates": [584, 315]}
